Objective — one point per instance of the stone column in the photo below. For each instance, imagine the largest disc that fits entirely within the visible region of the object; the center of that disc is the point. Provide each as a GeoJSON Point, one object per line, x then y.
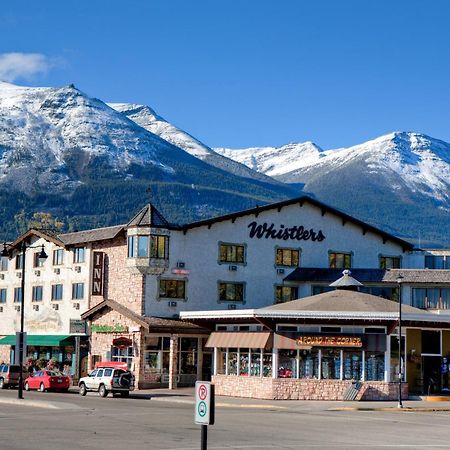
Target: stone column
{"type": "Point", "coordinates": [173, 361]}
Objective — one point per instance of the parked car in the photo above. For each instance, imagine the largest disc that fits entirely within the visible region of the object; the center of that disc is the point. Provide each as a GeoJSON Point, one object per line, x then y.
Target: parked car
{"type": "Point", "coordinates": [108, 377]}
{"type": "Point", "coordinates": [44, 380]}
{"type": "Point", "coordinates": [9, 375]}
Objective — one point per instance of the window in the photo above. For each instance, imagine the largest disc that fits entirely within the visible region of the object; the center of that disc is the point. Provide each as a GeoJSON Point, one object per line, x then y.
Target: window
{"type": "Point", "coordinates": [131, 246]}
{"type": "Point", "coordinates": [156, 354]}
{"type": "Point", "coordinates": [340, 260]}
{"type": "Point", "coordinates": [172, 288]}
{"type": "Point", "coordinates": [231, 253]}
{"type": "Point", "coordinates": [77, 291]}
{"type": "Point", "coordinates": [285, 294]}
{"type": "Point", "coordinates": [57, 292]}
{"type": "Point", "coordinates": [389, 293]}
{"type": "Point", "coordinates": [19, 260]}
{"type": "Point", "coordinates": [3, 295]}
{"type": "Point", "coordinates": [78, 255]}
{"type": "Point", "coordinates": [287, 257]}
{"type": "Point", "coordinates": [123, 355]}
{"type": "Point", "coordinates": [431, 298]}
{"type": "Point", "coordinates": [37, 294]}
{"type": "Point", "coordinates": [3, 264]}
{"type": "Point", "coordinates": [389, 262]}
{"type": "Point", "coordinates": [142, 249]}
{"type": "Point", "coordinates": [17, 294]}
{"type": "Point", "coordinates": [437, 262]}
{"type": "Point", "coordinates": [159, 246]}
{"type": "Point", "coordinates": [431, 342]}
{"type": "Point", "coordinates": [37, 262]}
{"type": "Point", "coordinates": [58, 257]}
{"type": "Point", "coordinates": [231, 292]}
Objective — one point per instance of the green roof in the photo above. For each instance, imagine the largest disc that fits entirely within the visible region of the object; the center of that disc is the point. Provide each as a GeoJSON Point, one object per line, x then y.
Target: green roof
{"type": "Point", "coordinates": [45, 340]}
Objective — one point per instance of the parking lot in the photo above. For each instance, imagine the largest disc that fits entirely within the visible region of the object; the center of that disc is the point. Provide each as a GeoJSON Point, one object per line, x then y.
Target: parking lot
{"type": "Point", "coordinates": [158, 420]}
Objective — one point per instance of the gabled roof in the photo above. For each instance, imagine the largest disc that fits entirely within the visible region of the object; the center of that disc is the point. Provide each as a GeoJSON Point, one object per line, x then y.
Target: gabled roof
{"type": "Point", "coordinates": [301, 201]}
{"type": "Point", "coordinates": [48, 235]}
{"type": "Point", "coordinates": [149, 216]}
{"type": "Point", "coordinates": [324, 275]}
{"type": "Point", "coordinates": [97, 234]}
{"type": "Point", "coordinates": [149, 323]}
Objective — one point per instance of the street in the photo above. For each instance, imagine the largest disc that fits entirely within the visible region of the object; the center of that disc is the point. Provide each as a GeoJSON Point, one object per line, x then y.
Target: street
{"type": "Point", "coordinates": [68, 421]}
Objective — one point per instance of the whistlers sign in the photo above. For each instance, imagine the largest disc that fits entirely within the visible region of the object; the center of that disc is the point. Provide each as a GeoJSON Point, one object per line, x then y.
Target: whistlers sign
{"type": "Point", "coordinates": [297, 232]}
{"type": "Point", "coordinates": [330, 341]}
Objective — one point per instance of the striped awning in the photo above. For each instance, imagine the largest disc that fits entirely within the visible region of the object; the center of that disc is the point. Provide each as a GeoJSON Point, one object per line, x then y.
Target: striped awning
{"type": "Point", "coordinates": [240, 339]}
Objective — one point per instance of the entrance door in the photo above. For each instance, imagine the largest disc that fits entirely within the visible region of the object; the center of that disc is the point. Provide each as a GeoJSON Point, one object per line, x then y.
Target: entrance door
{"type": "Point", "coordinates": [431, 366]}
{"type": "Point", "coordinates": [207, 362]}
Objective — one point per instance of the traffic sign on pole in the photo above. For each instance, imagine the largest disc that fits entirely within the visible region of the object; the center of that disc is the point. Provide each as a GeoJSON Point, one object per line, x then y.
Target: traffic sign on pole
{"type": "Point", "coordinates": [204, 403]}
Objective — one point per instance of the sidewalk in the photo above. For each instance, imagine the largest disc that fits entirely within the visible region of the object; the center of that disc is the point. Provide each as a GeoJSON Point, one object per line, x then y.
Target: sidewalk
{"type": "Point", "coordinates": [186, 395]}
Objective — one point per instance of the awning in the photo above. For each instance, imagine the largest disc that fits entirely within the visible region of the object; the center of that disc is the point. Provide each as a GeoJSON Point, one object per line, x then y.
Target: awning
{"type": "Point", "coordinates": [241, 339]}
{"type": "Point", "coordinates": [44, 340]}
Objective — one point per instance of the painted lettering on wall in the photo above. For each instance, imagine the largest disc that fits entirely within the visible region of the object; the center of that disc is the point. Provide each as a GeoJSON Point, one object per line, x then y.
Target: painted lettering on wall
{"type": "Point", "coordinates": [97, 273]}
{"type": "Point", "coordinates": [299, 233]}
{"type": "Point", "coordinates": [117, 328]}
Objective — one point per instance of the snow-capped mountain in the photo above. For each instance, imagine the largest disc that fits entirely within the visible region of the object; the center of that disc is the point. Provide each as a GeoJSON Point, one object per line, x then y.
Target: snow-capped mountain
{"type": "Point", "coordinates": [64, 151]}
{"type": "Point", "coordinates": [147, 118]}
{"type": "Point", "coordinates": [400, 181]}
{"type": "Point", "coordinates": [275, 161]}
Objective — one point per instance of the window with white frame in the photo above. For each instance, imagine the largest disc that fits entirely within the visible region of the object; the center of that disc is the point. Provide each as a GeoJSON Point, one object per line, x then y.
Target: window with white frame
{"type": "Point", "coordinates": [36, 295]}
{"type": "Point", "coordinates": [77, 291]}
{"type": "Point", "coordinates": [79, 255]}
{"type": "Point", "coordinates": [58, 257]}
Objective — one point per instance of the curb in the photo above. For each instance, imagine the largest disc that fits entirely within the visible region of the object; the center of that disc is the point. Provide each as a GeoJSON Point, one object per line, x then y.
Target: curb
{"type": "Point", "coordinates": [391, 409]}
{"type": "Point", "coordinates": [218, 404]}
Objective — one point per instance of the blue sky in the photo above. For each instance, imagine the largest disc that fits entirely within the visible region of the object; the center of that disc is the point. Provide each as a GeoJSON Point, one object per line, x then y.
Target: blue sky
{"type": "Point", "coordinates": [239, 73]}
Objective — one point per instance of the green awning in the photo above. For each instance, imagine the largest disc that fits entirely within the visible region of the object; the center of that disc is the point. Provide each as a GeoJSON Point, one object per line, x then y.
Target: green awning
{"type": "Point", "coordinates": [44, 340]}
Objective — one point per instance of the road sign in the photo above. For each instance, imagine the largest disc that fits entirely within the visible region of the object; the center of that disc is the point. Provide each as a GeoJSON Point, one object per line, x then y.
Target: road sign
{"type": "Point", "coordinates": [204, 403]}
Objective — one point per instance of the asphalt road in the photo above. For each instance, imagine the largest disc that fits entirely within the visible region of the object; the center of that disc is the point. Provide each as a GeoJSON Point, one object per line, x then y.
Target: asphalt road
{"type": "Point", "coordinates": [68, 421]}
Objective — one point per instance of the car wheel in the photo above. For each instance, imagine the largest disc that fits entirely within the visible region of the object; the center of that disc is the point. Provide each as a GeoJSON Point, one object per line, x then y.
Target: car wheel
{"type": "Point", "coordinates": [102, 391]}
{"type": "Point", "coordinates": [41, 387]}
{"type": "Point", "coordinates": [125, 393]}
{"type": "Point", "coordinates": [27, 386]}
{"type": "Point", "coordinates": [83, 390]}
{"type": "Point", "coordinates": [2, 383]}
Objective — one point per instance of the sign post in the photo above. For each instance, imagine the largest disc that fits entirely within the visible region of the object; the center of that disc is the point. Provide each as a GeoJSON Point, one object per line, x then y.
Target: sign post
{"type": "Point", "coordinates": [204, 409]}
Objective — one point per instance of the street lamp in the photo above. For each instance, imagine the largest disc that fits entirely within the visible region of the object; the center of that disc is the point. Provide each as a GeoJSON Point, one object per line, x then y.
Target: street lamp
{"type": "Point", "coordinates": [5, 253]}
{"type": "Point", "coordinates": [400, 365]}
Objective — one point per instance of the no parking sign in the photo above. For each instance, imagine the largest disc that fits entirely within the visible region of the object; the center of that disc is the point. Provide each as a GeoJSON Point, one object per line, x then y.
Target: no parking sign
{"type": "Point", "coordinates": [204, 403]}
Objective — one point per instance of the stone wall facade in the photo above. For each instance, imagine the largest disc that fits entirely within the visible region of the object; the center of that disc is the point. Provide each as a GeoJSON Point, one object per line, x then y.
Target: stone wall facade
{"type": "Point", "coordinates": [120, 283]}
{"type": "Point", "coordinates": [302, 389]}
{"type": "Point", "coordinates": [5, 351]}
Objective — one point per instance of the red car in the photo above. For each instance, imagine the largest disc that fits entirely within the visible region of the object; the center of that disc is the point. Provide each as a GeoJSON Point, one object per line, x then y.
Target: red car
{"type": "Point", "coordinates": [46, 380]}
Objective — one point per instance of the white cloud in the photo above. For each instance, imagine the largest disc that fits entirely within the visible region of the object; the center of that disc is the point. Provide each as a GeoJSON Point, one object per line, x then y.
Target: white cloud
{"type": "Point", "coordinates": [23, 65]}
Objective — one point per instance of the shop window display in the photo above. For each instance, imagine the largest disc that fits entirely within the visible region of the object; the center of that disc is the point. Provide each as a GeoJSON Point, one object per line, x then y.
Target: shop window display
{"type": "Point", "coordinates": [267, 364]}
{"type": "Point", "coordinates": [244, 361]}
{"type": "Point", "coordinates": [309, 364]}
{"type": "Point", "coordinates": [374, 366]}
{"type": "Point", "coordinates": [352, 365]}
{"type": "Point", "coordinates": [287, 363]}
{"type": "Point", "coordinates": [331, 364]}
{"type": "Point", "coordinates": [232, 362]}
{"type": "Point", "coordinates": [255, 365]}
{"type": "Point", "coordinates": [156, 354]}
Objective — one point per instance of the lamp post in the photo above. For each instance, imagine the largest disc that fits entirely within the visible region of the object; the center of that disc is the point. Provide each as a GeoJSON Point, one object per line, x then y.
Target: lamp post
{"type": "Point", "coordinates": [42, 257]}
{"type": "Point", "coordinates": [400, 364]}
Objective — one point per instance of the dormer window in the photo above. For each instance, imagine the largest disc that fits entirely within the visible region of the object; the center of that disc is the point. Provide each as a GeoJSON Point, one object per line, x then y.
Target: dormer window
{"type": "Point", "coordinates": [159, 246]}
{"type": "Point", "coordinates": [142, 249]}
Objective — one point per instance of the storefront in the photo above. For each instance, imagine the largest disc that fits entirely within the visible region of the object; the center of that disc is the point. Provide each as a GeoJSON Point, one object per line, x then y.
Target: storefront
{"type": "Point", "coordinates": [64, 352]}
{"type": "Point", "coordinates": [332, 346]}
{"type": "Point", "coordinates": [160, 352]}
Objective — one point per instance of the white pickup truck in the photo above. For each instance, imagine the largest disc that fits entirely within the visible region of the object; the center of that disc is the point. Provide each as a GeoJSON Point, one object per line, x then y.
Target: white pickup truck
{"type": "Point", "coordinates": [106, 379]}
